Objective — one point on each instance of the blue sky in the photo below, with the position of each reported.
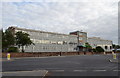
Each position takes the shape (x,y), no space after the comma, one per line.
(98,19)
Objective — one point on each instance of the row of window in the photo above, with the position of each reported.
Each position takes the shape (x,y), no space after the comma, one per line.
(106,47)
(52,42)
(99,42)
(45,34)
(54,48)
(49,35)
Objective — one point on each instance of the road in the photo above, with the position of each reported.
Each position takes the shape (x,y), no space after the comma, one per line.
(82,65)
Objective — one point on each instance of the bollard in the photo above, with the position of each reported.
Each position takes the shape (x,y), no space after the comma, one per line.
(112,52)
(8,56)
(114,56)
(104,52)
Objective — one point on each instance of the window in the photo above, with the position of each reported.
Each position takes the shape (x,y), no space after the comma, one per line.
(60,42)
(43,48)
(64,42)
(80,38)
(110,47)
(80,34)
(106,47)
(53,42)
(47,35)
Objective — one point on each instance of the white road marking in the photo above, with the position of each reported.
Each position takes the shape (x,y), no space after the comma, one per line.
(57,56)
(110,60)
(116,70)
(99,70)
(58,70)
(79,70)
(24,71)
(45,74)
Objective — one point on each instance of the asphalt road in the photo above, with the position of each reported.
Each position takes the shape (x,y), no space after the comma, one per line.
(82,65)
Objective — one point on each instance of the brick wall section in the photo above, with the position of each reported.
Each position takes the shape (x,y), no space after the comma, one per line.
(42,54)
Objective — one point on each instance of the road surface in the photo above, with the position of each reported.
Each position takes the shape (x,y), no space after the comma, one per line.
(80,65)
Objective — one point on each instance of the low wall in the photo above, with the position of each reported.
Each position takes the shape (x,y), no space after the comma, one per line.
(42,54)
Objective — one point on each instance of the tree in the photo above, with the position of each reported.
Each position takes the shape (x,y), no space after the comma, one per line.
(8,39)
(88,46)
(99,49)
(22,39)
(115,47)
(94,49)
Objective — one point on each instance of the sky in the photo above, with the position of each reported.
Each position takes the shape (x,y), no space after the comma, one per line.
(98,18)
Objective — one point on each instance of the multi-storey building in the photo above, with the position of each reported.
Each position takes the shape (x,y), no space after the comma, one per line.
(57,42)
(97,41)
(82,39)
(51,42)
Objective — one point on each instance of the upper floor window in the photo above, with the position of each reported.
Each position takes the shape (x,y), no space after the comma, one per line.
(80,38)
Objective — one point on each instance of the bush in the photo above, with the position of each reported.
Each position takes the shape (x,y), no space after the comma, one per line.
(94,50)
(12,49)
(99,49)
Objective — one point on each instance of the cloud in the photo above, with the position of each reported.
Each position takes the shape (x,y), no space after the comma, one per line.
(60,0)
(96,18)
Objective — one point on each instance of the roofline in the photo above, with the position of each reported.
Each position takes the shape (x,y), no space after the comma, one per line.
(41,31)
(98,38)
(78,31)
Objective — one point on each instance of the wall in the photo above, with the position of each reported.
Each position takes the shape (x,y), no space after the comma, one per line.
(50,42)
(97,41)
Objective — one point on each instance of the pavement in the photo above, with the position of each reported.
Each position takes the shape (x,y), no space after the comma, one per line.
(25,73)
(114,60)
(80,65)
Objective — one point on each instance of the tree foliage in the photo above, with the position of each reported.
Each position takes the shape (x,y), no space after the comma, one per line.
(99,49)
(23,39)
(116,46)
(88,46)
(94,49)
(12,49)
(8,39)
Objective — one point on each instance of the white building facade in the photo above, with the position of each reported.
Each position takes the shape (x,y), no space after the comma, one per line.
(97,41)
(49,41)
(57,42)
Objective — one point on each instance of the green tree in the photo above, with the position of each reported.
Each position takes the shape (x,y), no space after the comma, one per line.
(99,49)
(115,47)
(23,39)
(94,49)
(88,46)
(8,39)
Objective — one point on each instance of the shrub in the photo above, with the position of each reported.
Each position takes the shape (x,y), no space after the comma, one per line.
(99,49)
(12,49)
(94,50)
